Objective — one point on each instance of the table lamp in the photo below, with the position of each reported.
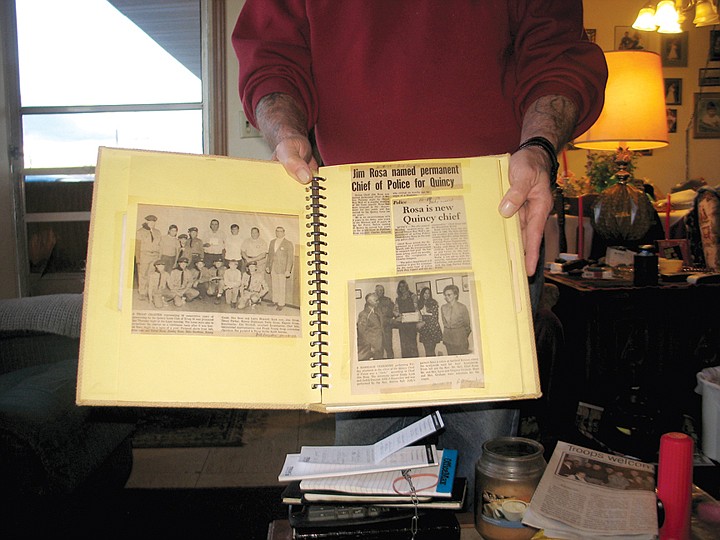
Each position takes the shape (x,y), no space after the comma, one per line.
(633,117)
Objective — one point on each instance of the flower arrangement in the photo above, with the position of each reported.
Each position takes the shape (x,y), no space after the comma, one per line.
(599,175)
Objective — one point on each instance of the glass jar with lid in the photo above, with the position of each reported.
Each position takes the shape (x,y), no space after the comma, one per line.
(506,476)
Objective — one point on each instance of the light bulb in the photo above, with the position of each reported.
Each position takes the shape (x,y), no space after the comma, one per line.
(645,19)
(705,14)
(666,15)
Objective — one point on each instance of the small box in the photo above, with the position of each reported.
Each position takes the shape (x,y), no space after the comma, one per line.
(567,257)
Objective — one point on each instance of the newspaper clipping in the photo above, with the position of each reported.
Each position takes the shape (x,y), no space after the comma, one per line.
(204,271)
(373,187)
(416,332)
(430,233)
(585,493)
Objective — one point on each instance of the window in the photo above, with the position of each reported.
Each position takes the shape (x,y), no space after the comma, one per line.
(93,73)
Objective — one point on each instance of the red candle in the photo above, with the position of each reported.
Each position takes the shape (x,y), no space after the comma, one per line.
(580,231)
(674,484)
(565,167)
(667,218)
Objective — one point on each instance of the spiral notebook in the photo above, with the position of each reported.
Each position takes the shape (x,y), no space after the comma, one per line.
(315,302)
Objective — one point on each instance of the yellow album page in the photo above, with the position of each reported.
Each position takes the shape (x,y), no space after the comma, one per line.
(150,351)
(444,230)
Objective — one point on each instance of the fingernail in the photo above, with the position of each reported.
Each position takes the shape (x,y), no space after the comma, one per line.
(305,177)
(507,209)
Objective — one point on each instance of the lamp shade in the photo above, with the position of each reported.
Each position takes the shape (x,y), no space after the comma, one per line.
(705,14)
(646,19)
(665,13)
(634,112)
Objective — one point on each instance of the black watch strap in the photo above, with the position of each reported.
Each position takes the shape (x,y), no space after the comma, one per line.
(546,145)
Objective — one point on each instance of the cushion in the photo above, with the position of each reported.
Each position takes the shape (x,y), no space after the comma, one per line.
(55,313)
(40,396)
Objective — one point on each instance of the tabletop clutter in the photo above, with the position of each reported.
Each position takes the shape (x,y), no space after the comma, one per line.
(402,488)
(646,251)
(640,268)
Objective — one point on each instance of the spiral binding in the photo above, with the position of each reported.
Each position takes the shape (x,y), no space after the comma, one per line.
(318,279)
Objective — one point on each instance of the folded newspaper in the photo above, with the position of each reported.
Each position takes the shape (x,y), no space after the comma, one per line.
(589,494)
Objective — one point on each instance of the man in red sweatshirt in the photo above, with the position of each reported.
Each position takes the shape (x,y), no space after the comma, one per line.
(411,79)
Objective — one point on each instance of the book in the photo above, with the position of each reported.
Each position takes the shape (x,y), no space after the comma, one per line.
(585,493)
(390,453)
(295,495)
(419,225)
(435,487)
(373,523)
(433,481)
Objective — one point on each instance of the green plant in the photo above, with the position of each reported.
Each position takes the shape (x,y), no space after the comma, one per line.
(601,168)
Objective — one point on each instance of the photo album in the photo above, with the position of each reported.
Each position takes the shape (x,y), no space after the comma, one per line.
(222,282)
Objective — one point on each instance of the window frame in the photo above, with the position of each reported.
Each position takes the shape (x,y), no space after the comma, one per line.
(213,104)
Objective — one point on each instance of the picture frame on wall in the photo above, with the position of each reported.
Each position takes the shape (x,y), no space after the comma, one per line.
(674,49)
(420,285)
(440,284)
(706,122)
(714,52)
(673,91)
(671,120)
(629,39)
(709,77)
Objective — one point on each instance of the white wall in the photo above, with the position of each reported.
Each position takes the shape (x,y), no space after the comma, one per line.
(238,147)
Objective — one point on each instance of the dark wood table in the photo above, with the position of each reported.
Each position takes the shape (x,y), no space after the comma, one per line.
(654,339)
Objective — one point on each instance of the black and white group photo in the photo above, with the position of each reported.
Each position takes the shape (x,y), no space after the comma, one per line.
(414,316)
(215,261)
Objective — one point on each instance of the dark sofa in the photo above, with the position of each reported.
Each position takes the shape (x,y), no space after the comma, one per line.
(48,444)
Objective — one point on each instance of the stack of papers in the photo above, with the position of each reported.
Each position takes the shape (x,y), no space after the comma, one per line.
(378,473)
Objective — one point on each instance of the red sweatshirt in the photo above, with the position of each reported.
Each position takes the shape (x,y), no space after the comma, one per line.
(385,80)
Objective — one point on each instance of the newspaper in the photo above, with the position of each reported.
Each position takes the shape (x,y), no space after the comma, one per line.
(589,494)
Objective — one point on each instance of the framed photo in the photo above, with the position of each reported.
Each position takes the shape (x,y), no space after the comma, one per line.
(420,285)
(627,38)
(673,91)
(714,52)
(674,49)
(671,120)
(674,249)
(440,284)
(709,77)
(707,116)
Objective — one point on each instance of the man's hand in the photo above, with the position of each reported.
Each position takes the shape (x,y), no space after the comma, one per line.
(283,123)
(529,196)
(295,154)
(554,118)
